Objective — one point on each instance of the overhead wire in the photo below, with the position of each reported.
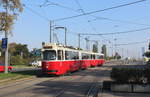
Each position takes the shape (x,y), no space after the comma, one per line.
(82,10)
(132,43)
(97,17)
(35,12)
(92,12)
(116,20)
(123,32)
(47,19)
(56,4)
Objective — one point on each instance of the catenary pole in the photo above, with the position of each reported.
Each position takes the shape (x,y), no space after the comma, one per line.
(79,35)
(65,36)
(50,31)
(6,37)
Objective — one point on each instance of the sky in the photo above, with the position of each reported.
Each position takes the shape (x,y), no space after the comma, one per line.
(32,25)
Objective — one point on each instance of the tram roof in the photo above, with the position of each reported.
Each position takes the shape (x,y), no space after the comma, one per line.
(54,46)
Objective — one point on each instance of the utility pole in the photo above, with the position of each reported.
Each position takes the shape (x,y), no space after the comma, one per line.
(6,37)
(87,43)
(79,35)
(50,30)
(65,33)
(115,48)
(65,36)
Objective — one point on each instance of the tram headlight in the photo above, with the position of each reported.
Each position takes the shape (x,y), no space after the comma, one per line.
(46,66)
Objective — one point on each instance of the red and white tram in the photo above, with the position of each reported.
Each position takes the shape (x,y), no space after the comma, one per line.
(59,60)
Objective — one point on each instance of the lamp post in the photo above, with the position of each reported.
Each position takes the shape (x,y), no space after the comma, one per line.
(65,33)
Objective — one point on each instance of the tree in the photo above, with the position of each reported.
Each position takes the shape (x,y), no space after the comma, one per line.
(149,46)
(9,10)
(19,54)
(7,19)
(35,54)
(95,48)
(104,51)
(117,56)
(147,54)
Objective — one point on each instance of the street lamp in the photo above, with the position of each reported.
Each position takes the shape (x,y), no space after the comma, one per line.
(65,33)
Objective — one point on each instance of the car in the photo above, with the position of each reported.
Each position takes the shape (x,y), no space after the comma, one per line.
(36,63)
(2,67)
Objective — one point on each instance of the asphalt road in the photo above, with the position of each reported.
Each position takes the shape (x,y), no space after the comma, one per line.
(83,83)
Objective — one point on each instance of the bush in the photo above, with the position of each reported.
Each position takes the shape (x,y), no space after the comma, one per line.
(126,75)
(18,60)
(120,74)
(147,74)
(137,75)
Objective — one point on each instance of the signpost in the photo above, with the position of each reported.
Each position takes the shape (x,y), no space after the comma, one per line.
(4,43)
(5,47)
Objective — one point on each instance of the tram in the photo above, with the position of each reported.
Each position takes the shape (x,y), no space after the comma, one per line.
(59,59)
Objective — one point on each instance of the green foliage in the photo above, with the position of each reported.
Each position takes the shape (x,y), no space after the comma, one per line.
(95,48)
(126,75)
(9,13)
(149,46)
(4,25)
(35,54)
(19,54)
(13,5)
(21,50)
(147,54)
(104,51)
(117,56)
(147,74)
(137,75)
(18,60)
(120,74)
(18,75)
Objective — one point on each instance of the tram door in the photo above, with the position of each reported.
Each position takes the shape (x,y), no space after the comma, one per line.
(60,55)
(60,58)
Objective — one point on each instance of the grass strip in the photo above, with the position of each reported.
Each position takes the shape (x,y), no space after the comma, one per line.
(18,75)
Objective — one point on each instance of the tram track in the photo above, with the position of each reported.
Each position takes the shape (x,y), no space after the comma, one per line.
(38,80)
(63,90)
(94,88)
(75,80)
(91,92)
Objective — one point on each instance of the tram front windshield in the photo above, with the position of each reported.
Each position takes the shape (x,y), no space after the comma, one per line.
(49,55)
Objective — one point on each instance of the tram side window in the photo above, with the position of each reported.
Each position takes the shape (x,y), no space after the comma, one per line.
(101,57)
(88,56)
(93,56)
(75,55)
(60,55)
(98,57)
(49,55)
(66,55)
(70,55)
(85,56)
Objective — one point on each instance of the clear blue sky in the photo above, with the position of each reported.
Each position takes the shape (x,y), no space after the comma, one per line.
(31,29)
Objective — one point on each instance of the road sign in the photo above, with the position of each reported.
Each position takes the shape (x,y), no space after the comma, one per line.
(4,43)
